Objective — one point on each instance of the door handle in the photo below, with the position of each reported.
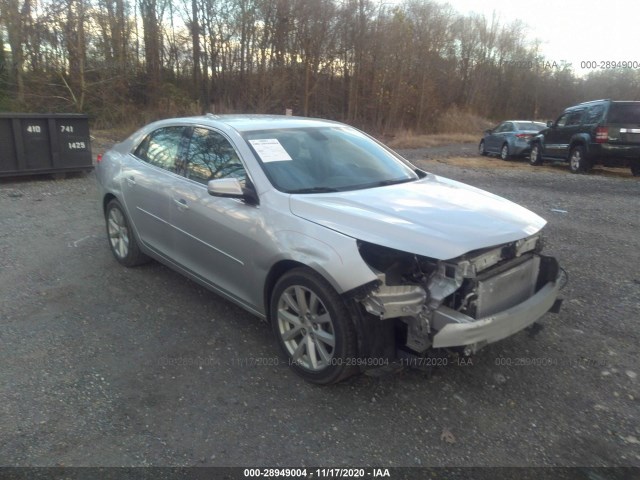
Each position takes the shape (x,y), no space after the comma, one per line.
(131,181)
(181,203)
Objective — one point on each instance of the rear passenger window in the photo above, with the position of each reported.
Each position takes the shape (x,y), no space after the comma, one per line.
(594,115)
(211,156)
(160,147)
(503,127)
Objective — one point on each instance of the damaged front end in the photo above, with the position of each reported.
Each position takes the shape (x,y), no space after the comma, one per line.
(478,298)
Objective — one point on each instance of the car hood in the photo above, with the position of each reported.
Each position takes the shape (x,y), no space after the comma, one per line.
(435,217)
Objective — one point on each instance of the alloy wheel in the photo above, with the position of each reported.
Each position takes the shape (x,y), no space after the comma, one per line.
(118,233)
(504,152)
(306,328)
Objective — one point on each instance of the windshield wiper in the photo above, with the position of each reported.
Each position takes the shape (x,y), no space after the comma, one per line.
(384,183)
(314,190)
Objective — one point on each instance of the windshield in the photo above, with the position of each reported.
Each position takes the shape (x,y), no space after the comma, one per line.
(325,159)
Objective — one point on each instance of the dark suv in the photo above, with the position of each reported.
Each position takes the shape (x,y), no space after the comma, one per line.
(601,131)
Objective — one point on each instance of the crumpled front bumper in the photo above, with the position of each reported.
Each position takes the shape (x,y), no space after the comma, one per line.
(456,329)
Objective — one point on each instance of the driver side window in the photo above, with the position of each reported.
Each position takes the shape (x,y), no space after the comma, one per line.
(562,121)
(575,118)
(570,118)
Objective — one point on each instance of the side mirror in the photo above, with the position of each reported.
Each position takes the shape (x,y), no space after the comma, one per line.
(549,123)
(231,188)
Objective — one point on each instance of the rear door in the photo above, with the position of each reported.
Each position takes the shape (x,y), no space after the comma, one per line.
(148,176)
(497,138)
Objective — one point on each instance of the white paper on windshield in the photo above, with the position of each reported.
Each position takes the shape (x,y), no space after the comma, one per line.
(270,150)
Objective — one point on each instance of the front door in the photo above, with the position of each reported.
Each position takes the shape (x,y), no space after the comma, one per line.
(215,237)
(558,137)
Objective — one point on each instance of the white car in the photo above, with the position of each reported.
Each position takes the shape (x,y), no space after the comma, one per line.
(355,256)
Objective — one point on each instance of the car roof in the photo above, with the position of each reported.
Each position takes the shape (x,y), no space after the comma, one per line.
(523,121)
(596,102)
(251,122)
(592,101)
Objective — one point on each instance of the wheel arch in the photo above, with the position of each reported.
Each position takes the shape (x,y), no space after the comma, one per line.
(578,141)
(275,273)
(333,256)
(105,201)
(282,267)
(539,141)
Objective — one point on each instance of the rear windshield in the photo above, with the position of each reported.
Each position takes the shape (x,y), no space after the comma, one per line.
(533,126)
(624,113)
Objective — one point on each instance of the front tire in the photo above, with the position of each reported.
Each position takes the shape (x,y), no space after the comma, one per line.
(504,152)
(313,328)
(635,169)
(536,155)
(122,240)
(578,162)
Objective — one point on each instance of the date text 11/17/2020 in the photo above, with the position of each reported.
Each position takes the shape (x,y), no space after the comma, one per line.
(317,473)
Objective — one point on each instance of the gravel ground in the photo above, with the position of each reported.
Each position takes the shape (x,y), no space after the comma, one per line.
(107,366)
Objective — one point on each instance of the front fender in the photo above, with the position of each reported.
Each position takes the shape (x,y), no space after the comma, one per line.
(336,257)
(539,139)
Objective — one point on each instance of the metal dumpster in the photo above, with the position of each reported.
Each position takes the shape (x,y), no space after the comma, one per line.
(44,143)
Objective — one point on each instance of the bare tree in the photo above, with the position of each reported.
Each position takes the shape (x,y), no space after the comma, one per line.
(74,31)
(16,16)
(152,42)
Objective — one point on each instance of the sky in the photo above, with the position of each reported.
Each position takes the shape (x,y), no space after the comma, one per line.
(594,31)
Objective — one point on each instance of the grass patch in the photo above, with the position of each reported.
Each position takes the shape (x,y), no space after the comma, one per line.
(407,139)
(452,126)
(455,120)
(496,163)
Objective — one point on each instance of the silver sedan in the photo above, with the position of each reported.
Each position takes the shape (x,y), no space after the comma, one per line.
(357,258)
(510,138)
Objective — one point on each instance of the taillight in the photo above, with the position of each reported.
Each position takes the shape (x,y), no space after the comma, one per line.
(524,136)
(602,134)
(99,158)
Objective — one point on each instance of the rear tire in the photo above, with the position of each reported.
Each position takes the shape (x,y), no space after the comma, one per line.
(578,162)
(481,149)
(122,240)
(536,155)
(313,327)
(504,152)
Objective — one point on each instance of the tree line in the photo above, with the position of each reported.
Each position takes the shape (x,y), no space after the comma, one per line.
(380,66)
